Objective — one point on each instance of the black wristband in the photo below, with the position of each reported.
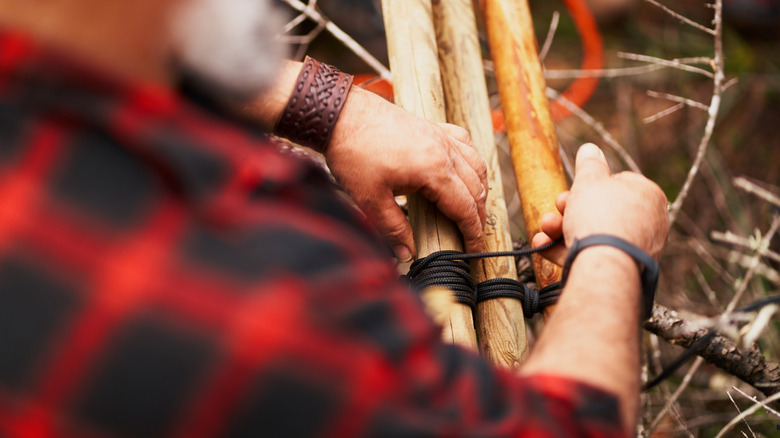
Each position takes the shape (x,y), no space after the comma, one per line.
(648,273)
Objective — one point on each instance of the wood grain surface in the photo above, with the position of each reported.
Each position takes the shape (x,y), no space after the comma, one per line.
(532,139)
(411,44)
(499,322)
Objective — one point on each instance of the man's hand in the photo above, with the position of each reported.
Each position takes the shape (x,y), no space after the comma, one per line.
(379,150)
(593,335)
(626,205)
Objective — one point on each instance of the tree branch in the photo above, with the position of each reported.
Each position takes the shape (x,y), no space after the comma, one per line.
(683,18)
(665,62)
(311,12)
(750,366)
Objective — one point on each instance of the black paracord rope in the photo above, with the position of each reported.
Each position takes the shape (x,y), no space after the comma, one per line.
(450,269)
(439,269)
(533,300)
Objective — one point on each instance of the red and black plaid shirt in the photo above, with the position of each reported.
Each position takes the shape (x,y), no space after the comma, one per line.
(164,273)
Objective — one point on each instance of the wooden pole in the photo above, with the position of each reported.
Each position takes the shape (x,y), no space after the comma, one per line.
(500,323)
(411,45)
(532,139)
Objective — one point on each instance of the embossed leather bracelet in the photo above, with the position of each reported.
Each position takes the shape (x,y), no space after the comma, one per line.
(315,104)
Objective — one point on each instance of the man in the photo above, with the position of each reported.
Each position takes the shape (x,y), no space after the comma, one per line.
(164,271)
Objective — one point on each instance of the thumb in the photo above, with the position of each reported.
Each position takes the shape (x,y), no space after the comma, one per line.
(590,164)
(391,222)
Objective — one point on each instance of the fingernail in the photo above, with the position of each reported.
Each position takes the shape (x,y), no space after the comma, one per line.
(588,150)
(403,253)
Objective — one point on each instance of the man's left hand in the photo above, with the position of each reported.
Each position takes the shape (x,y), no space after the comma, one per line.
(379,150)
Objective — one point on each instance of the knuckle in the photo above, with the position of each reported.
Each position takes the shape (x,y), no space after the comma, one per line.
(458,133)
(441,175)
(481,197)
(470,220)
(480,167)
(436,158)
(430,193)
(395,228)
(461,134)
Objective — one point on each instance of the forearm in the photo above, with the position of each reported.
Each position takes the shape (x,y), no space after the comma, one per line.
(593,336)
(267,108)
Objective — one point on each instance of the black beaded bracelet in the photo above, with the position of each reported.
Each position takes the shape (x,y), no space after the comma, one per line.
(648,272)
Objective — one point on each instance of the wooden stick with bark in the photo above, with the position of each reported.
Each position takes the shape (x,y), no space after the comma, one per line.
(749,365)
(532,140)
(411,45)
(500,323)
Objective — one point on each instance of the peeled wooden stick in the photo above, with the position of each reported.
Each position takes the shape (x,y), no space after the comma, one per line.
(411,46)
(532,140)
(500,323)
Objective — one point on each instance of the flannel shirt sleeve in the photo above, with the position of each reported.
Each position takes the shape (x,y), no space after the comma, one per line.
(163,275)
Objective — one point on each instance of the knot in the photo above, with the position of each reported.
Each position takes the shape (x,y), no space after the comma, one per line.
(533,300)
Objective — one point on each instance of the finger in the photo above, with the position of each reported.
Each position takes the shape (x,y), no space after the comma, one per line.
(552,225)
(457,133)
(391,222)
(466,148)
(452,198)
(560,201)
(591,165)
(476,162)
(473,183)
(556,254)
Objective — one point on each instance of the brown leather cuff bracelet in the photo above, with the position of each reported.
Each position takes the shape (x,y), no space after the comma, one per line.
(314,107)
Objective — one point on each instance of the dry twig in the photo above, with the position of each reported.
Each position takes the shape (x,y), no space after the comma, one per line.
(597,126)
(673,398)
(755,400)
(683,18)
(310,11)
(665,62)
(623,71)
(712,113)
(664,113)
(690,102)
(745,184)
(741,284)
(744,414)
(743,418)
(550,34)
(761,247)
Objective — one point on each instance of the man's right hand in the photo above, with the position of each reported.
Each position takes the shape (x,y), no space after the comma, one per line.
(626,205)
(593,334)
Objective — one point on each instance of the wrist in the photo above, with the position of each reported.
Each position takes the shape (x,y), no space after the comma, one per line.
(601,258)
(352,118)
(646,266)
(315,104)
